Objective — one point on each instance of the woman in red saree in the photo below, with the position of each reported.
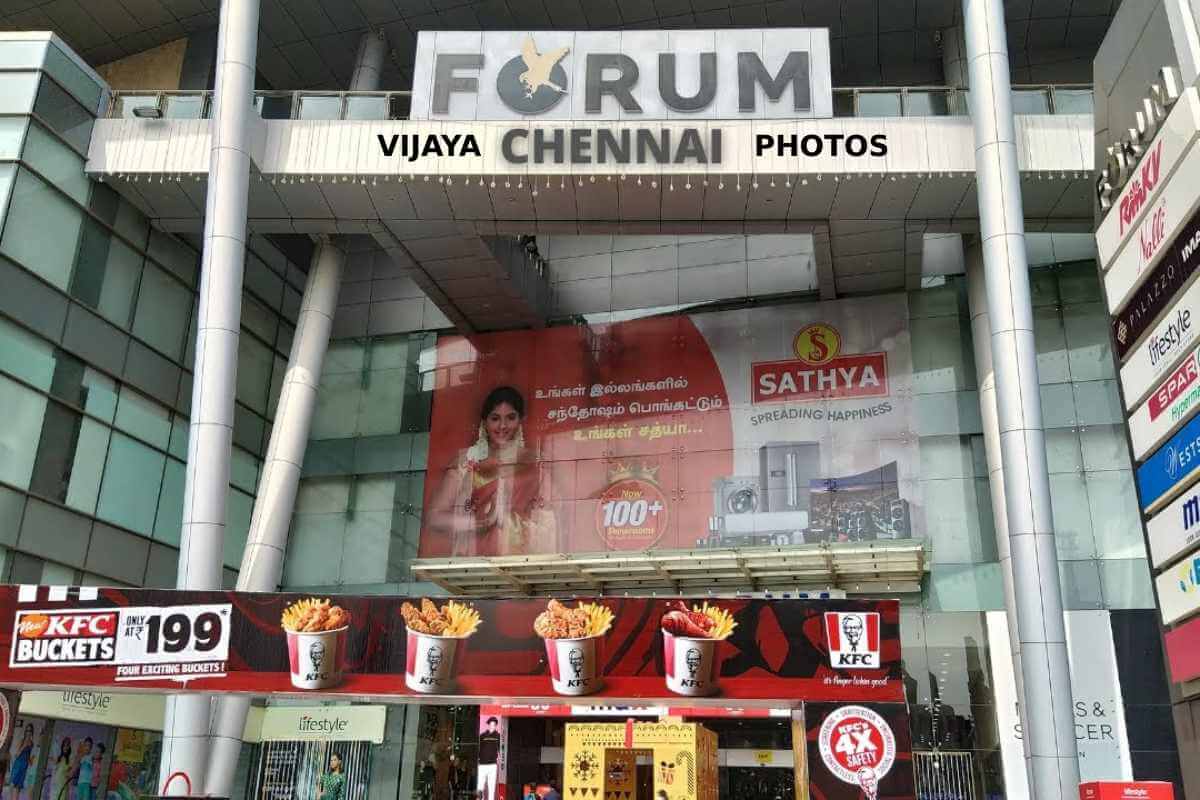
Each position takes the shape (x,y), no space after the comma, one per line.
(491,500)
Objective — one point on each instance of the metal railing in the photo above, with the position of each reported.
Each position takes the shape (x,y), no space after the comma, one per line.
(866,101)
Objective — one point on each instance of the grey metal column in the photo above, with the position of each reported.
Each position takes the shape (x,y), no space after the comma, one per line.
(210,434)
(368,64)
(1049,725)
(262,560)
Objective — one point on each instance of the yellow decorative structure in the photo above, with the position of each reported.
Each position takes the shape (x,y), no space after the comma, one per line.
(600,760)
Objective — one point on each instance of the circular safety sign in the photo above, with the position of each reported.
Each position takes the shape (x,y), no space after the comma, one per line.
(858,746)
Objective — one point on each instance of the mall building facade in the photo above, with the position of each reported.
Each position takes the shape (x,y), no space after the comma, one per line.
(818,282)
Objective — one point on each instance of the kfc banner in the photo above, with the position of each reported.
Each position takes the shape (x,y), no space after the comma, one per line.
(648,651)
(767,426)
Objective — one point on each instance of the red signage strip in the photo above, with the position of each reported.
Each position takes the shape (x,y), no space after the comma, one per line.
(1183,651)
(763,653)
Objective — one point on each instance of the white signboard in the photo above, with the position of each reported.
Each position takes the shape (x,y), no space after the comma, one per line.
(321,723)
(1175,529)
(1151,238)
(1163,349)
(1179,589)
(1168,406)
(1151,172)
(775,73)
(1098,707)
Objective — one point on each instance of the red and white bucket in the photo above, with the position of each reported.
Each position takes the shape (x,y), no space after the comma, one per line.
(691,664)
(431,662)
(317,659)
(574,665)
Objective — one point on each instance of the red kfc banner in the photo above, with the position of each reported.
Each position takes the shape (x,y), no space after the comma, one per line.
(768,426)
(760,653)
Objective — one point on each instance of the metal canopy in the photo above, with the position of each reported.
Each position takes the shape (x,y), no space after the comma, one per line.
(892,566)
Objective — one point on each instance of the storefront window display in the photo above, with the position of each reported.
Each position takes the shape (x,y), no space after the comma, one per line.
(78,763)
(135,764)
(313,770)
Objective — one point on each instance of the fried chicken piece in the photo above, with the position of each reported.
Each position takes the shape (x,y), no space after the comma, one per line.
(338,618)
(412,618)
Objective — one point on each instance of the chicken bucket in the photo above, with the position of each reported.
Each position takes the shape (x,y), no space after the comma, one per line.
(691,664)
(574,665)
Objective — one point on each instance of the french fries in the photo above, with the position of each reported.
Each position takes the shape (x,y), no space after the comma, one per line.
(313,616)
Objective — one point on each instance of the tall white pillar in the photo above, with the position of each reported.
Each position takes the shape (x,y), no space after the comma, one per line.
(210,434)
(1049,732)
(266,545)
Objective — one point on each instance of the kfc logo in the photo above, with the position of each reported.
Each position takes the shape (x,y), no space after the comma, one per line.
(68,637)
(853,639)
(858,747)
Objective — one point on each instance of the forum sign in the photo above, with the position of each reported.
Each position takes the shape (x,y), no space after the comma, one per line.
(780,73)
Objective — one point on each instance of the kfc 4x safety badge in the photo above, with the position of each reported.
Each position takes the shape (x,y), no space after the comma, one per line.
(857,746)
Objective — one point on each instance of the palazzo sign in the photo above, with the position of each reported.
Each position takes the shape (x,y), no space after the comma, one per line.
(780,73)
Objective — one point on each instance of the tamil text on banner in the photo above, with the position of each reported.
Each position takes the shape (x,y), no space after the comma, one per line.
(783,425)
(653,651)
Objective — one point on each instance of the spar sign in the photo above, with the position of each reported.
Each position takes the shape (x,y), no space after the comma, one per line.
(858,747)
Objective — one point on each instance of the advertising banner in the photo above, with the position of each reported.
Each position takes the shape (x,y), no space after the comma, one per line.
(1173,466)
(1165,152)
(1176,529)
(771,426)
(1163,221)
(1168,406)
(1163,349)
(1165,281)
(1179,589)
(757,651)
(857,751)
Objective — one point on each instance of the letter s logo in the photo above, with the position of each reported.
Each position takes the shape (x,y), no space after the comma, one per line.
(817,343)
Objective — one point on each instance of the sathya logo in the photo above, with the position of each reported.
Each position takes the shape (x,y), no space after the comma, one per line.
(533,82)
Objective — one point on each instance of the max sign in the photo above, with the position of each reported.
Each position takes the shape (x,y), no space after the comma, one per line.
(728,74)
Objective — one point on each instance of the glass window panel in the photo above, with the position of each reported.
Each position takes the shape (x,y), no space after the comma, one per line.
(15,55)
(843,103)
(17,92)
(243,470)
(183,106)
(273,106)
(133,476)
(1115,518)
(178,446)
(106,273)
(249,429)
(965,587)
(1097,403)
(1073,101)
(1087,330)
(163,311)
(315,106)
(124,104)
(87,468)
(71,75)
(1080,582)
(399,106)
(291,303)
(367,107)
(41,230)
(238,509)
(56,446)
(144,418)
(64,115)
(254,373)
(878,104)
(26,356)
(338,400)
(309,561)
(259,319)
(943,359)
(57,574)
(263,281)
(1062,449)
(99,394)
(1103,447)
(24,410)
(57,163)
(113,209)
(952,520)
(926,104)
(1030,101)
(277,375)
(1051,341)
(12,134)
(365,547)
(168,519)
(174,255)
(287,331)
(1126,583)
(1072,517)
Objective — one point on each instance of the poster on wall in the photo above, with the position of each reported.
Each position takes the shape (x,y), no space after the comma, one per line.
(134,773)
(645,650)
(767,426)
(857,752)
(493,755)
(24,757)
(314,770)
(77,763)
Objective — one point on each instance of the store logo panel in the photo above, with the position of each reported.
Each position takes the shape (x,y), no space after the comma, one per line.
(853,639)
(819,371)
(1179,590)
(1175,529)
(1170,468)
(1172,401)
(54,637)
(1163,349)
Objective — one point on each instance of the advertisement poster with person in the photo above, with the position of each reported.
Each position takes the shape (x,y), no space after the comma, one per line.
(77,762)
(493,756)
(782,425)
(134,770)
(25,750)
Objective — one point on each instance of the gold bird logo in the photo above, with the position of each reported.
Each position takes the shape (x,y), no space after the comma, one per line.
(538,67)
